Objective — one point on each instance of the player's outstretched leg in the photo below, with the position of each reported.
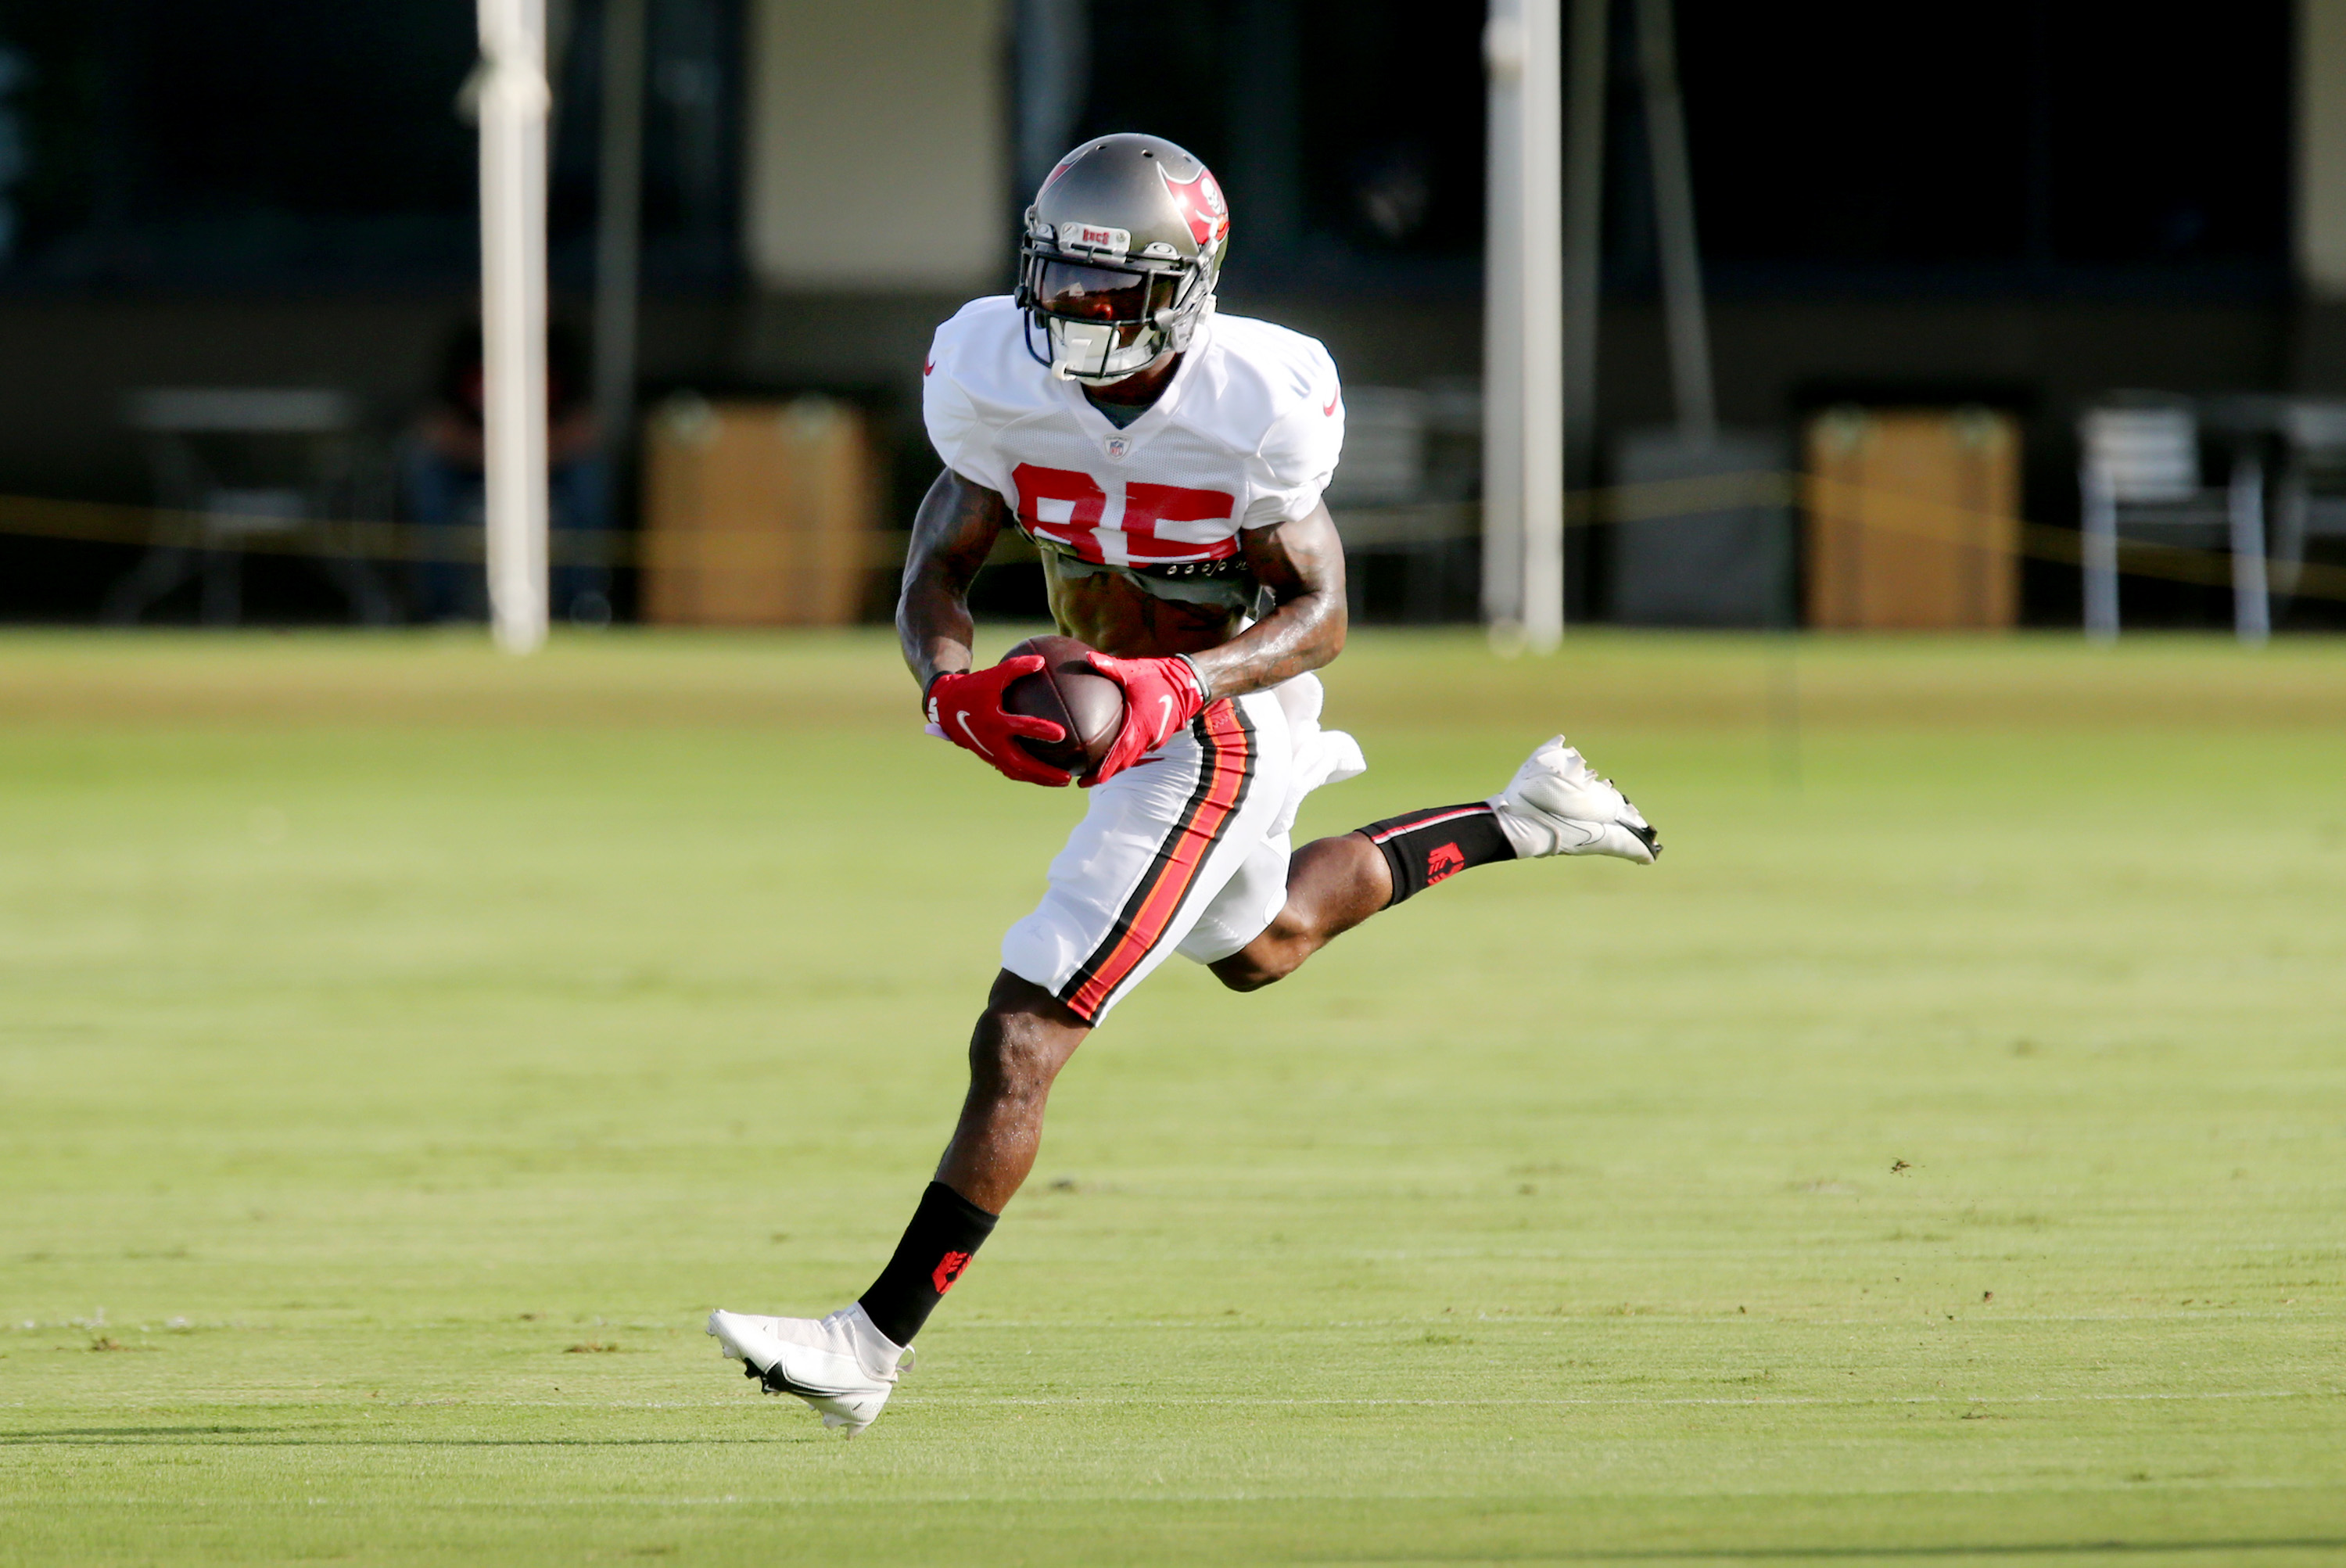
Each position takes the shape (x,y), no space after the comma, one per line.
(847,1364)
(1555,805)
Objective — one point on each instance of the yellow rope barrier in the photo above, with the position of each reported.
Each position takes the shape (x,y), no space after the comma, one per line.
(1950,524)
(152,527)
(160,527)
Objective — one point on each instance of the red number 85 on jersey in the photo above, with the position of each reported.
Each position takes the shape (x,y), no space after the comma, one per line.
(1071,509)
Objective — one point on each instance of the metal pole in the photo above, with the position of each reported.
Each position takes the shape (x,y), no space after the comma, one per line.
(1689,332)
(618,247)
(1523,329)
(1503,289)
(1053,39)
(1543,324)
(2252,581)
(1265,125)
(2099,552)
(1584,235)
(514,102)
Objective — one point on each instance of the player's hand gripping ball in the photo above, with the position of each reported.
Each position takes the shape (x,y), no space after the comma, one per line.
(1160,695)
(967,709)
(1087,705)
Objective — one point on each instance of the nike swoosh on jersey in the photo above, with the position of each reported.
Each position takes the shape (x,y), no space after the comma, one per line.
(962,718)
(928,366)
(1330,410)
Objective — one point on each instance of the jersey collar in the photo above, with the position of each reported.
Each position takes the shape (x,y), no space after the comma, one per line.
(1119,443)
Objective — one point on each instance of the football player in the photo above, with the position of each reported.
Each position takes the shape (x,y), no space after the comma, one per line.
(1168,463)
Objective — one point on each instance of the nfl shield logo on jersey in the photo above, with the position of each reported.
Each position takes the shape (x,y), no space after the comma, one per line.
(1116,447)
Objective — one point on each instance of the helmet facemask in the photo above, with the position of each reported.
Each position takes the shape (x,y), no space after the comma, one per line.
(1100,315)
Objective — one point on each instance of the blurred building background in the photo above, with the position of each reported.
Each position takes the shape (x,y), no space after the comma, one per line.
(2015,207)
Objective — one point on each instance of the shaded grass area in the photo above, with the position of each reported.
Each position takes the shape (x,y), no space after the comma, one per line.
(1938,1155)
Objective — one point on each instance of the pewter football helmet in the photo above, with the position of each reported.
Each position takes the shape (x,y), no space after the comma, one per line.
(1122,249)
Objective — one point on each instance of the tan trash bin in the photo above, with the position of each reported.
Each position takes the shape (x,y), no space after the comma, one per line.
(757,513)
(1913,519)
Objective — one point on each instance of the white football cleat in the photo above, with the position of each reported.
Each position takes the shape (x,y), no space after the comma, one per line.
(1555,805)
(841,1365)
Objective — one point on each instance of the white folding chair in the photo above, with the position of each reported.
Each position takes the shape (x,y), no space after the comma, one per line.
(2139,473)
(256,467)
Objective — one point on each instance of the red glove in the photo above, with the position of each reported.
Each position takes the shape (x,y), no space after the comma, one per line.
(967,706)
(1160,695)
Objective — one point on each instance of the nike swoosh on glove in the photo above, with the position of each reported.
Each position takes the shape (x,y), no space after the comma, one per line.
(966,707)
(1160,695)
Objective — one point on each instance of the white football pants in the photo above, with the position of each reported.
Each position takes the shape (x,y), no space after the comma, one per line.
(1184,851)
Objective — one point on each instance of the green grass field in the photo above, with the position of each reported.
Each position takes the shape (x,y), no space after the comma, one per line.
(1940,1155)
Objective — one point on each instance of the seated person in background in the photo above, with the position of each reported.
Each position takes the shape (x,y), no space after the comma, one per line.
(441,485)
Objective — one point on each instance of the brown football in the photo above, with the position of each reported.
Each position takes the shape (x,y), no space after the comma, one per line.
(1072,695)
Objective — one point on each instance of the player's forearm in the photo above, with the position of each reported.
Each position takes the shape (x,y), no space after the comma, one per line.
(1302,635)
(1302,562)
(951,534)
(934,627)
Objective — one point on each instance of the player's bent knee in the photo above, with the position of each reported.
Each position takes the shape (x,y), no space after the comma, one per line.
(1244,971)
(1010,1056)
(1022,1040)
(1270,957)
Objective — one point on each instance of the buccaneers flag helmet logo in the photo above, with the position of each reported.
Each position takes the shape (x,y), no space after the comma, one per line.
(1201,204)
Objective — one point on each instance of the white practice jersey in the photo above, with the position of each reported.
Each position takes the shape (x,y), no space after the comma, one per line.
(1246,435)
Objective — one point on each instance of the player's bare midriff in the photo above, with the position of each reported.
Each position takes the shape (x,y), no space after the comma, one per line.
(1301,562)
(1113,613)
(1116,617)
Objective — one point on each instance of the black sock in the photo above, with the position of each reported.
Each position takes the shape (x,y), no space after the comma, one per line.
(946,1231)
(1423,847)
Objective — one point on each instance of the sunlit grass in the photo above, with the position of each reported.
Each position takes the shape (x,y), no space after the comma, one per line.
(1940,1151)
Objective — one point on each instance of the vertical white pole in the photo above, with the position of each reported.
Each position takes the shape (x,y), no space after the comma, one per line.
(1502,341)
(2099,553)
(2252,581)
(1543,324)
(515,101)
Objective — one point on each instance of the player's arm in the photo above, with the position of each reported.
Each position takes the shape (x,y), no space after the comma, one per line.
(953,533)
(1302,565)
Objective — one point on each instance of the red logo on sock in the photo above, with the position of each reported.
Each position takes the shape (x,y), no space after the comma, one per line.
(1444,862)
(948,1269)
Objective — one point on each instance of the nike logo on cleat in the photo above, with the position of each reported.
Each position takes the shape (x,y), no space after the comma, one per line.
(778,1381)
